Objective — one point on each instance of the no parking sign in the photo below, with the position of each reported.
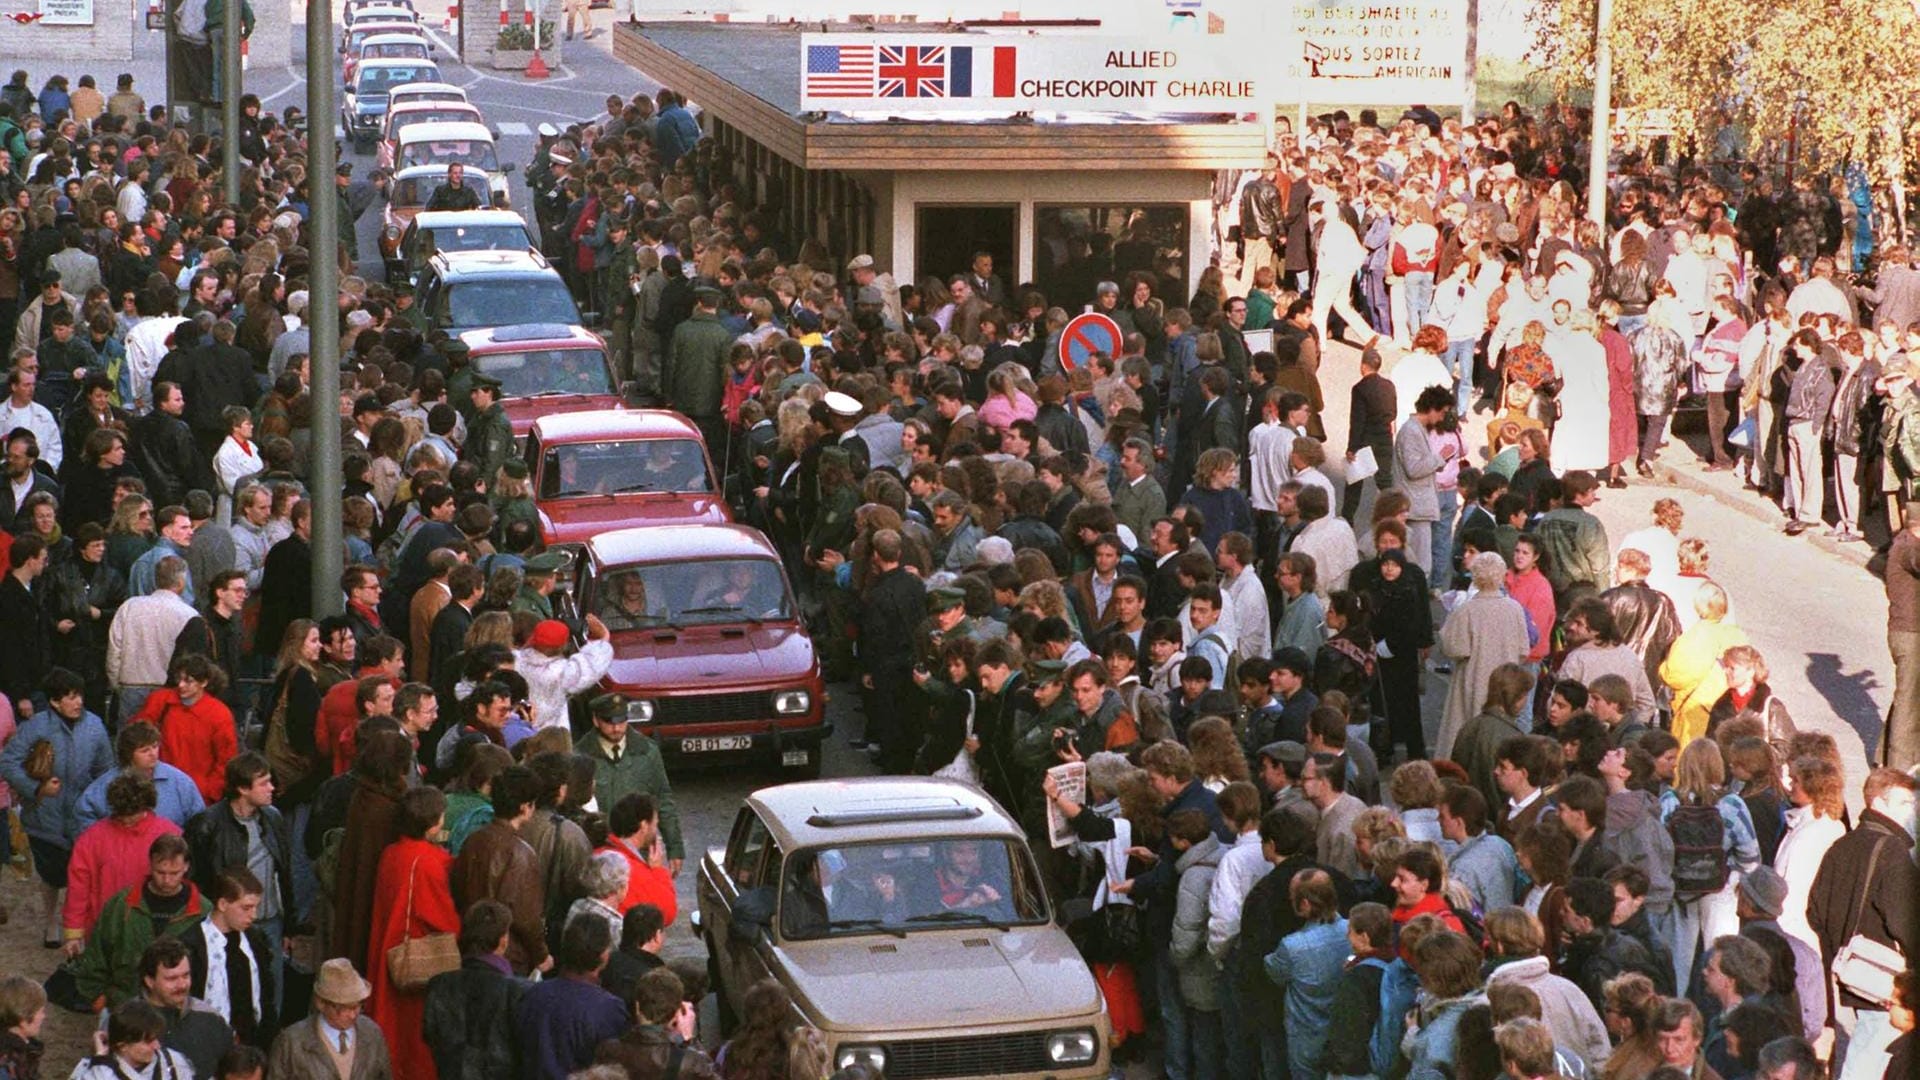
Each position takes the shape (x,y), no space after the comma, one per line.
(1085,335)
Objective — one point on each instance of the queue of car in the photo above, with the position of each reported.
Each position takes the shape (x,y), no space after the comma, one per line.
(843,891)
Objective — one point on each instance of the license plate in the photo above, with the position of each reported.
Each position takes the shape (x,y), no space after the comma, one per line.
(793,757)
(716,743)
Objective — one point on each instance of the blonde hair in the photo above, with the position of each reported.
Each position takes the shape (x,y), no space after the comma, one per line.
(1700,772)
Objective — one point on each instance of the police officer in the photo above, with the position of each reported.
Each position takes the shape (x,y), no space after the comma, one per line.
(489,434)
(536,586)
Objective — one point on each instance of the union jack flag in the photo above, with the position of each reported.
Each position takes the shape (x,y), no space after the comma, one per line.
(913,71)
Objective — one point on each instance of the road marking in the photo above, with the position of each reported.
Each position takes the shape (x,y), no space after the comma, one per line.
(515,127)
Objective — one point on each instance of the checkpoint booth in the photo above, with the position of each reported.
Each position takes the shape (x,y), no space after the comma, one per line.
(1065,154)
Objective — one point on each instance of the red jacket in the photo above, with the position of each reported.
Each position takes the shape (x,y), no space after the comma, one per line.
(333,728)
(1432,904)
(197,739)
(646,884)
(108,857)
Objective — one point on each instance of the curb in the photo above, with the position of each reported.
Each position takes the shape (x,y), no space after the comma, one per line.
(1759,509)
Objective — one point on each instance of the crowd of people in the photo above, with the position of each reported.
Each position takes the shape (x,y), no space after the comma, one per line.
(373,844)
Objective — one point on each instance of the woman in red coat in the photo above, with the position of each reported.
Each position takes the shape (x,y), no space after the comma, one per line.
(413,870)
(1622,428)
(196,727)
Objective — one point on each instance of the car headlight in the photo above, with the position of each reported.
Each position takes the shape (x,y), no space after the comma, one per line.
(1073,1047)
(639,712)
(872,1057)
(792,702)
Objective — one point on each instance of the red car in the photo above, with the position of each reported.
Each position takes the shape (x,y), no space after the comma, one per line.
(609,469)
(708,643)
(544,369)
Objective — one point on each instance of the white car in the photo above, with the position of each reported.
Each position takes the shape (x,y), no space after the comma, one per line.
(413,111)
(424,91)
(447,142)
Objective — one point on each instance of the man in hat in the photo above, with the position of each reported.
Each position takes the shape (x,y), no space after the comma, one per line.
(844,413)
(489,432)
(625,763)
(456,193)
(404,307)
(337,1040)
(697,368)
(552,676)
(1761,897)
(539,577)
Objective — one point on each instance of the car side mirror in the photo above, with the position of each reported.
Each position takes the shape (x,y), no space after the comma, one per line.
(630,391)
(752,915)
(511,166)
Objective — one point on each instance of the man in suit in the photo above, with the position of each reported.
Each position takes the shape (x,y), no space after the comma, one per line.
(1297,252)
(1207,420)
(24,478)
(447,638)
(986,284)
(1415,467)
(337,1040)
(1166,539)
(1092,589)
(424,610)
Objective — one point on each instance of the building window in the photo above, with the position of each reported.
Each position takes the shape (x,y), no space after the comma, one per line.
(1077,247)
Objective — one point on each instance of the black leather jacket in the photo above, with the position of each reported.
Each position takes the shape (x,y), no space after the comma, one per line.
(164,451)
(1259,209)
(216,839)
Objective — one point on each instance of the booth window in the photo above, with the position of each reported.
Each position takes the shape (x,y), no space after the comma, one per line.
(1077,247)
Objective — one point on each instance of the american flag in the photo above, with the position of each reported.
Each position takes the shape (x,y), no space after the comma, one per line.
(840,70)
(912,71)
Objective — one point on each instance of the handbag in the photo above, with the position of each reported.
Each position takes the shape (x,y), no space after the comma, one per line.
(962,767)
(415,961)
(1865,967)
(39,764)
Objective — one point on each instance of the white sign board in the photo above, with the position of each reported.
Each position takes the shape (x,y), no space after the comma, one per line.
(1355,53)
(994,73)
(66,12)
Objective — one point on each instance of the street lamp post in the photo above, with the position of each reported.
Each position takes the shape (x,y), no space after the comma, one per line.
(1602,109)
(229,61)
(323,310)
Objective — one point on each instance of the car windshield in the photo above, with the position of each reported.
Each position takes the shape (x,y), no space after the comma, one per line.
(903,887)
(504,237)
(547,371)
(395,50)
(470,152)
(402,121)
(541,299)
(374,82)
(627,466)
(691,593)
(414,191)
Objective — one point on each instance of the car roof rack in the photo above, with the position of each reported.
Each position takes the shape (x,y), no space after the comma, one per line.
(884,815)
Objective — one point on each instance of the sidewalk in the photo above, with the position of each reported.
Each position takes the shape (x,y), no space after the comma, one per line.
(1682,465)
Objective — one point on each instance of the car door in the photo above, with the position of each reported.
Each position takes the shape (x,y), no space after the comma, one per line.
(735,963)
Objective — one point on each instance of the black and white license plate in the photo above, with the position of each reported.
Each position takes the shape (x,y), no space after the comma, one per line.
(716,743)
(793,757)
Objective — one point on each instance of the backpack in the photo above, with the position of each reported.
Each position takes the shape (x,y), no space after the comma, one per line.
(1699,851)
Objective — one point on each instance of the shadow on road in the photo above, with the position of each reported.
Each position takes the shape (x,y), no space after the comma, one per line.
(1848,695)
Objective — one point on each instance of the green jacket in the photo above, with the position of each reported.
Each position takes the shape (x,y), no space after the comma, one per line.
(1900,439)
(833,522)
(110,968)
(490,440)
(697,365)
(217,18)
(13,140)
(530,600)
(640,768)
(508,511)
(618,300)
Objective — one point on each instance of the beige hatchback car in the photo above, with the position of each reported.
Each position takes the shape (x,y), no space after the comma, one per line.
(906,919)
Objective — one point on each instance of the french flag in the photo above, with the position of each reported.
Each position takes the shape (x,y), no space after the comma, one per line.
(1000,80)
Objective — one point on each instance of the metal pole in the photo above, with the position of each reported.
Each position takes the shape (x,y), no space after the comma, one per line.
(1602,110)
(1472,64)
(323,306)
(229,61)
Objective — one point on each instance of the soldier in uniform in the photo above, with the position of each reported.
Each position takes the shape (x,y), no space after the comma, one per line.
(404,307)
(620,298)
(536,586)
(489,433)
(454,354)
